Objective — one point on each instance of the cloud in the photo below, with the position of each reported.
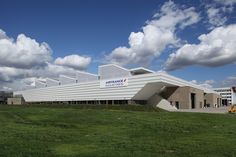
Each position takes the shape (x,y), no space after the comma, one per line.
(229,81)
(4,88)
(3,35)
(155,36)
(216,48)
(215,17)
(216,12)
(23,53)
(30,81)
(193,81)
(226,2)
(19,79)
(74,61)
(8,74)
(205,84)
(24,59)
(53,71)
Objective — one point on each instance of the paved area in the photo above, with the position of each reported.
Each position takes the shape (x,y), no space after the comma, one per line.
(206,110)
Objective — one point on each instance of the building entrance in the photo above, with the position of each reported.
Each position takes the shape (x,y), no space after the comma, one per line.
(193,100)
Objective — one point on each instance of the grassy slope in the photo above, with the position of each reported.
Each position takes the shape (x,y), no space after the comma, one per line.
(47,131)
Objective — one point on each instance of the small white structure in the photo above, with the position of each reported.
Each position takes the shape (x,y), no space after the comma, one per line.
(140,71)
(40,84)
(67,80)
(85,77)
(112,71)
(52,82)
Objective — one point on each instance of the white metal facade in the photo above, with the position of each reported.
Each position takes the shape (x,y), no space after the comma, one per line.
(40,84)
(112,71)
(52,82)
(85,77)
(140,87)
(67,80)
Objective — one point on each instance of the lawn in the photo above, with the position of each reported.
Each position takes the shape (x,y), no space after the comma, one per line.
(113,132)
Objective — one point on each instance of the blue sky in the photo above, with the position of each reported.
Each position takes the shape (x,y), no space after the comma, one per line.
(94,29)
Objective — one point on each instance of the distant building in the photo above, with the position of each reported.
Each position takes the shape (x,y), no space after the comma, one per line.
(118,85)
(4,95)
(228,95)
(16,100)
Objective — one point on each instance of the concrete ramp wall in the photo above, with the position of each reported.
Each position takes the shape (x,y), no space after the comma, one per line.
(165,105)
(158,101)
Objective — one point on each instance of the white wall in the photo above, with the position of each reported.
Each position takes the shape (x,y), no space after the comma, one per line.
(66,80)
(92,90)
(112,71)
(233,98)
(85,77)
(51,82)
(39,84)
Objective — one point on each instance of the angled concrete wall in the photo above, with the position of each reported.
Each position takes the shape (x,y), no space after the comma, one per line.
(182,97)
(213,100)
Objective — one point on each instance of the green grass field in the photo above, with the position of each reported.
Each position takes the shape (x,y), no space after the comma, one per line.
(114,132)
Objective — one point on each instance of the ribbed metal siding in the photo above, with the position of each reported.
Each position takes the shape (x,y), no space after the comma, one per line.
(82,91)
(92,90)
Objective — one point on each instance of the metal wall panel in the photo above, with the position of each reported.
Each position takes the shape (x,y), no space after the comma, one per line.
(66,80)
(51,82)
(112,71)
(92,91)
(39,84)
(85,77)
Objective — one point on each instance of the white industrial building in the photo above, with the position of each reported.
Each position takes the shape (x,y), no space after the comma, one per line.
(228,95)
(117,85)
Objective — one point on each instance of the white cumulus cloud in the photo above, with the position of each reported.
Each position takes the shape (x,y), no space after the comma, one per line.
(226,2)
(8,74)
(193,81)
(155,36)
(216,48)
(3,35)
(23,53)
(74,61)
(19,79)
(24,59)
(216,17)
(229,81)
(217,12)
(205,84)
